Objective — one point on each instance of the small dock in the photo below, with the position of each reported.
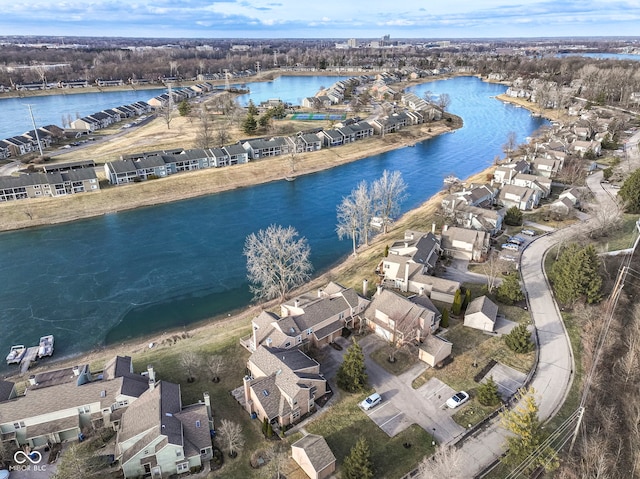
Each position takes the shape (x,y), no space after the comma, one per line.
(28,358)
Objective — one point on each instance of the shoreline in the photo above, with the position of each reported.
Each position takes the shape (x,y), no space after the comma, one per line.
(36,212)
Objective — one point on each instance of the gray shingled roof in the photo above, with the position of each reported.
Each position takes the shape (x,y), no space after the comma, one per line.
(6,387)
(484,305)
(59,376)
(195,424)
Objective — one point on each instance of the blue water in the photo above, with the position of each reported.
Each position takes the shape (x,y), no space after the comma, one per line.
(128,274)
(47,110)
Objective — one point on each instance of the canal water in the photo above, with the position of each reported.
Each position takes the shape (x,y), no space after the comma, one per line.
(124,275)
(51,109)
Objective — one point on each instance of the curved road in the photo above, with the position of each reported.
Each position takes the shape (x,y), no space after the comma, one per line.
(554,373)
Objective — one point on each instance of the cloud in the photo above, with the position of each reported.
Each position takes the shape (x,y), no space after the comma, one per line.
(286,18)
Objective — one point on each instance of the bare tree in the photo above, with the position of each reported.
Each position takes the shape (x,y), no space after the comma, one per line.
(444,100)
(446,462)
(404,332)
(388,192)
(492,268)
(277,261)
(166,113)
(205,132)
(605,220)
(231,435)
(512,142)
(216,365)
(354,216)
(276,458)
(190,361)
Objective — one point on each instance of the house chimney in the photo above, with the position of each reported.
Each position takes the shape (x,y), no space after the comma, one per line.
(76,371)
(320,293)
(152,373)
(32,380)
(207,403)
(406,277)
(445,228)
(365,287)
(421,290)
(433,228)
(248,404)
(378,290)
(152,384)
(296,303)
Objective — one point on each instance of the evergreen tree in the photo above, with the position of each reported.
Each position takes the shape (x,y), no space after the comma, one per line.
(513,216)
(358,465)
(184,108)
(488,393)
(467,299)
(444,321)
(509,291)
(265,426)
(456,307)
(527,435)
(519,339)
(249,125)
(630,192)
(575,275)
(252,109)
(352,376)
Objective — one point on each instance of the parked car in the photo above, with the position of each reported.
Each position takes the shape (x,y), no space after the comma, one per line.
(371,401)
(516,240)
(4,474)
(528,232)
(511,246)
(457,399)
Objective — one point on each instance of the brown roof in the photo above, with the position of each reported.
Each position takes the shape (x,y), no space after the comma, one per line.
(317,450)
(195,424)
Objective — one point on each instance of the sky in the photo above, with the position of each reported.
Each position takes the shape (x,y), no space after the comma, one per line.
(321,18)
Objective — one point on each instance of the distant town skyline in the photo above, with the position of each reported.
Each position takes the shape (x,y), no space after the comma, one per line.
(322,19)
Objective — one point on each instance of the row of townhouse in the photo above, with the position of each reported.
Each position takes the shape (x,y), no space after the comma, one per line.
(177,95)
(156,435)
(157,164)
(38,185)
(105,118)
(27,142)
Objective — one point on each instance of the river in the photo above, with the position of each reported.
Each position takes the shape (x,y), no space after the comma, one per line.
(107,279)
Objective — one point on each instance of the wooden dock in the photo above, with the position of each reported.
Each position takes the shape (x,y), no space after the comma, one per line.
(29,357)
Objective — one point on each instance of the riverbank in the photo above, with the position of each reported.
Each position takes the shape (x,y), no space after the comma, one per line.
(112,199)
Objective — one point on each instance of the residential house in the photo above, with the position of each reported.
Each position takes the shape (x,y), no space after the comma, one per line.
(547,167)
(148,167)
(478,218)
(434,349)
(315,319)
(58,405)
(313,455)
(71,165)
(282,386)
(362,130)
(401,320)
(121,171)
(37,185)
(562,207)
(582,147)
(5,149)
(219,157)
(308,142)
(464,243)
(573,195)
(538,183)
(331,137)
(520,196)
(481,314)
(416,247)
(86,123)
(507,171)
(237,154)
(482,196)
(261,148)
(19,146)
(158,437)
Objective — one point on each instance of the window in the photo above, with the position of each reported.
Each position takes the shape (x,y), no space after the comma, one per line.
(179,453)
(182,467)
(18,425)
(296,414)
(84,409)
(309,331)
(341,315)
(204,452)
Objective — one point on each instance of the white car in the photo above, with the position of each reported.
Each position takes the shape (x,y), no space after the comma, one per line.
(511,246)
(457,399)
(528,232)
(371,401)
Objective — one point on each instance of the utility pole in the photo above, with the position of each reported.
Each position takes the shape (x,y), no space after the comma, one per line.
(35,129)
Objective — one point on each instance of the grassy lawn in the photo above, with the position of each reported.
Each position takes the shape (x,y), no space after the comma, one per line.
(404,360)
(345,423)
(622,238)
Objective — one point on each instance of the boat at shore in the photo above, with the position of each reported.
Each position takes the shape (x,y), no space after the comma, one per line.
(451,180)
(45,346)
(16,354)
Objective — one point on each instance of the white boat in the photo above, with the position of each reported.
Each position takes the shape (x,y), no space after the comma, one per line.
(45,347)
(16,354)
(450,180)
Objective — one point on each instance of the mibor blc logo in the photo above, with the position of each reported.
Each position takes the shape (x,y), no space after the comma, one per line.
(27,461)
